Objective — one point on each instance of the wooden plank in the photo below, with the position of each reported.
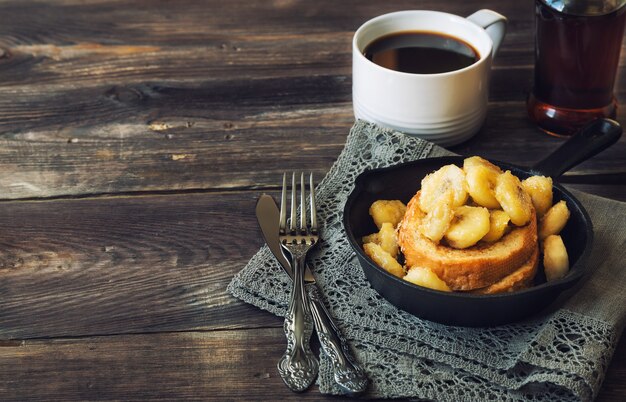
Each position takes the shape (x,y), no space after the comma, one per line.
(224,365)
(614,192)
(194,42)
(42,110)
(193,153)
(94,107)
(52,67)
(131,264)
(171,142)
(508,135)
(187,21)
(218,365)
(123,265)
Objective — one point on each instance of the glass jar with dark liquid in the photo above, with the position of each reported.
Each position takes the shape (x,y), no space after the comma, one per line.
(577,49)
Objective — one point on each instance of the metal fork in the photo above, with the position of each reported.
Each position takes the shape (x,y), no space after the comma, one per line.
(298,367)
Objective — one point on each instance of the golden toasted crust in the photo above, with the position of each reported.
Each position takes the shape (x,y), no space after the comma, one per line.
(519,279)
(467,269)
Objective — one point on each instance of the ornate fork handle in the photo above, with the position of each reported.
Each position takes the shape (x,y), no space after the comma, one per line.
(347,373)
(298,367)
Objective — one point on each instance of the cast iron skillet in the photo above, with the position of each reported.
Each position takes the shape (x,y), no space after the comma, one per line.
(403,180)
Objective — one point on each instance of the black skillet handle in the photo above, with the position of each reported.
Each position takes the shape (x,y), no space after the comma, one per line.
(590,140)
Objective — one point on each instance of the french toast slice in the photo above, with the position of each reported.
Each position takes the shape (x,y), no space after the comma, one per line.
(519,279)
(472,268)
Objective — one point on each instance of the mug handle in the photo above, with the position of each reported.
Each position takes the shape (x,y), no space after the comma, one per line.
(493,23)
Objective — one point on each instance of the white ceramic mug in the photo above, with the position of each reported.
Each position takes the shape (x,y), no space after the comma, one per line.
(446,108)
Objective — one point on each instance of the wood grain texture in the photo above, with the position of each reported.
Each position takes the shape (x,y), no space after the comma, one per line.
(125,264)
(180,366)
(222,365)
(614,192)
(100,98)
(115,265)
(153,126)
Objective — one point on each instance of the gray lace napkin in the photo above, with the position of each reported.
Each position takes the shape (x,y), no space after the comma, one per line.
(559,355)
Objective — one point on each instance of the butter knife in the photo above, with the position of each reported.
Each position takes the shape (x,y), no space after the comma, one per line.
(346,372)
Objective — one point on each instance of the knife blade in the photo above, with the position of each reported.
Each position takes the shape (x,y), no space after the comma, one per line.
(346,372)
(267,215)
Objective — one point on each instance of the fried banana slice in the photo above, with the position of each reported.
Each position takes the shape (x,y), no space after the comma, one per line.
(470,224)
(481,182)
(482,176)
(513,198)
(474,161)
(390,211)
(383,259)
(540,190)
(372,238)
(498,222)
(436,222)
(386,238)
(555,258)
(554,220)
(426,278)
(449,178)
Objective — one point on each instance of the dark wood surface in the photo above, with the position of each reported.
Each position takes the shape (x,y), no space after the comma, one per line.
(135,137)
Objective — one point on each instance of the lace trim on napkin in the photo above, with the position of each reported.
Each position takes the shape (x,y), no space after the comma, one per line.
(559,356)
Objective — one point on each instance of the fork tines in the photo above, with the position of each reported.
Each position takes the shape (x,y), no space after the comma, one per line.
(303,228)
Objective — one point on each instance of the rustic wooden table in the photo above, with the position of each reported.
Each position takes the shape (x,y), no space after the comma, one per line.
(135,137)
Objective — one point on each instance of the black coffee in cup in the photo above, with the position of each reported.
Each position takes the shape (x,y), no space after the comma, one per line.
(421,52)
